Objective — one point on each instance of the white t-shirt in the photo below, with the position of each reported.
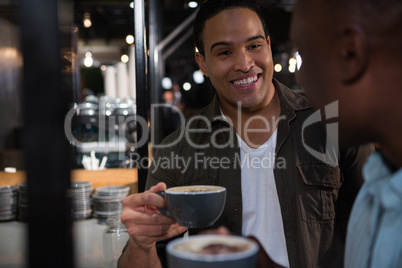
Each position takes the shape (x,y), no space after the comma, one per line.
(262,216)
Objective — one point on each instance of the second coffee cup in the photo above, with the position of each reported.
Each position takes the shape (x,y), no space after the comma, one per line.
(194,206)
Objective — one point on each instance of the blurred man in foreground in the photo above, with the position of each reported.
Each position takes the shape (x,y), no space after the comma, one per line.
(351,53)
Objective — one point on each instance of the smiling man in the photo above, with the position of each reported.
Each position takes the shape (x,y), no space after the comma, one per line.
(238,61)
(253,140)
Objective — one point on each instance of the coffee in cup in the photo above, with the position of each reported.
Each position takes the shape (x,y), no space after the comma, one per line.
(194,206)
(220,251)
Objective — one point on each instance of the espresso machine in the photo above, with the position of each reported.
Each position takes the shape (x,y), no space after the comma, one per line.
(105,127)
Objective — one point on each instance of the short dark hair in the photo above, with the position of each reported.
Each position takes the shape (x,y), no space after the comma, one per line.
(211,8)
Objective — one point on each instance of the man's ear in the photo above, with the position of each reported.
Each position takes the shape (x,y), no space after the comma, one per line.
(199,58)
(353,53)
(269,41)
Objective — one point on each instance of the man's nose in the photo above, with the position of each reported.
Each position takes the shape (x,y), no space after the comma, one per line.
(243,61)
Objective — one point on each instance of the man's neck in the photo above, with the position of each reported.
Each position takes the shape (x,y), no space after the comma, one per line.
(255,126)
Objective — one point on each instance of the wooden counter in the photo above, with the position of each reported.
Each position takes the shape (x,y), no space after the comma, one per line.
(99,178)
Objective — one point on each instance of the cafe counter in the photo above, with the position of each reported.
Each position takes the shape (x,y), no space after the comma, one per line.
(87,233)
(98,178)
(87,240)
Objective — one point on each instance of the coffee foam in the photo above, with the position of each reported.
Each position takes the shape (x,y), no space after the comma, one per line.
(196,246)
(195,188)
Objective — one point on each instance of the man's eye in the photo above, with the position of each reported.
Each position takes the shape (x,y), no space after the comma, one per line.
(224,53)
(253,46)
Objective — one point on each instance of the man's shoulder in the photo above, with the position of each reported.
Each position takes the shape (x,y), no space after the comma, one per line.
(292,98)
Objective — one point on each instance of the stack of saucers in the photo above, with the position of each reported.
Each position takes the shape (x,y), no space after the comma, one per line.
(108,201)
(23,202)
(81,202)
(8,202)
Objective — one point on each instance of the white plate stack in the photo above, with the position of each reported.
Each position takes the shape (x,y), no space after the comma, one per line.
(107,201)
(81,201)
(8,202)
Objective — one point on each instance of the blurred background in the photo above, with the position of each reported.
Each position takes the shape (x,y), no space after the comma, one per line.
(73,86)
(98,61)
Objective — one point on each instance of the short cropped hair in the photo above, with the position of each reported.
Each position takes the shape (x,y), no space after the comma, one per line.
(210,8)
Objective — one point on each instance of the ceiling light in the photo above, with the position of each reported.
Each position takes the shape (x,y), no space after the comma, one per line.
(87,20)
(187,86)
(130,39)
(278,67)
(124,58)
(198,77)
(88,61)
(192,4)
(292,61)
(87,23)
(292,68)
(132,4)
(167,83)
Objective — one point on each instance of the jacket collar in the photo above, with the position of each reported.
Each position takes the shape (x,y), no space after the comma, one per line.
(294,99)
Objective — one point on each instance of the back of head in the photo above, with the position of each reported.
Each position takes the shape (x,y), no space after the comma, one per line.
(373,11)
(381,19)
(210,8)
(353,55)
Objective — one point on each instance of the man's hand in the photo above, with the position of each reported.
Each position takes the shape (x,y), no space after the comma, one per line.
(146,226)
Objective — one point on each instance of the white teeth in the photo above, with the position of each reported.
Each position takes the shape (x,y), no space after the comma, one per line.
(246,81)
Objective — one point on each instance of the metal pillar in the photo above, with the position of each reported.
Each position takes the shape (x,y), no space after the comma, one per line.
(156,68)
(47,152)
(141,88)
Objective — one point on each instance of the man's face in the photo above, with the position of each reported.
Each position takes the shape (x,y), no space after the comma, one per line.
(238,58)
(309,32)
